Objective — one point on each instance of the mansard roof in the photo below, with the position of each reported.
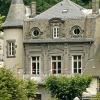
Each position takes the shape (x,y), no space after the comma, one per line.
(92,67)
(65,10)
(15,15)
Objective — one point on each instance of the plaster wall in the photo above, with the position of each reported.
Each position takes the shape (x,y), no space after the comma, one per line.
(13,34)
(92,90)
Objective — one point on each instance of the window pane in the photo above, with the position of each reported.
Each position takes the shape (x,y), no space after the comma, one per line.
(76,31)
(38,68)
(33,58)
(53,57)
(79,64)
(75,57)
(79,70)
(36,32)
(59,67)
(53,67)
(33,68)
(9,53)
(12,52)
(59,57)
(37,58)
(13,48)
(75,70)
(79,57)
(38,97)
(75,65)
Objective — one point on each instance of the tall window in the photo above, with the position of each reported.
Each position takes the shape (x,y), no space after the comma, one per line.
(77,64)
(55,32)
(56,64)
(11,49)
(35,65)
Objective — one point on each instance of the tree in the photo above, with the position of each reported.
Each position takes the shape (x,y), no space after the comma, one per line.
(2,18)
(31,88)
(11,88)
(65,88)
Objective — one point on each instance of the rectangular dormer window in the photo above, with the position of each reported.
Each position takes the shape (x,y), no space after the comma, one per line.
(55,32)
(10,48)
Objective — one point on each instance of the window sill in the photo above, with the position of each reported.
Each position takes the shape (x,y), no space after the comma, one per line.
(11,56)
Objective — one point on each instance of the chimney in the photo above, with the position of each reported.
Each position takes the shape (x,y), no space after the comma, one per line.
(95,6)
(33,8)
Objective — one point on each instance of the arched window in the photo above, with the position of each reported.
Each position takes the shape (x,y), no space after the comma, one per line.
(55,32)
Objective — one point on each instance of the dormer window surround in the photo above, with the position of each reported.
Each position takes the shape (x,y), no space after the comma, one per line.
(55,26)
(55,32)
(35,32)
(56,20)
(76,31)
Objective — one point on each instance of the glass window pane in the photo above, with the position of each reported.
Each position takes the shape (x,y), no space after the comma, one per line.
(37,58)
(53,57)
(33,68)
(33,58)
(13,48)
(79,57)
(36,32)
(79,70)
(53,67)
(75,70)
(75,57)
(75,65)
(9,53)
(12,52)
(59,67)
(79,64)
(59,57)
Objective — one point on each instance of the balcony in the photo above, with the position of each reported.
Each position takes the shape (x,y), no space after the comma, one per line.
(40,78)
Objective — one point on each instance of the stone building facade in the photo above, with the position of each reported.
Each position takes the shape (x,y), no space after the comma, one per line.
(59,41)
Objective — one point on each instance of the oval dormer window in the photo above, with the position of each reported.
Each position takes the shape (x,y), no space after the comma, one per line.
(36,32)
(76,31)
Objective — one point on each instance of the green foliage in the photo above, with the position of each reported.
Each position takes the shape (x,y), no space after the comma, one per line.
(42,5)
(98,96)
(31,88)
(2,18)
(11,88)
(67,88)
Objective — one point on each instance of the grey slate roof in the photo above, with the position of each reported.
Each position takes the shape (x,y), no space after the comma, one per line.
(15,15)
(73,11)
(58,40)
(93,66)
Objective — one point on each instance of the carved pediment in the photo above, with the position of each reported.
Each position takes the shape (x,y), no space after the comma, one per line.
(55,49)
(56,20)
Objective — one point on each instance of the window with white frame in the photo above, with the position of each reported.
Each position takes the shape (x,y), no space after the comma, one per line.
(56,64)
(55,32)
(77,64)
(35,65)
(11,49)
